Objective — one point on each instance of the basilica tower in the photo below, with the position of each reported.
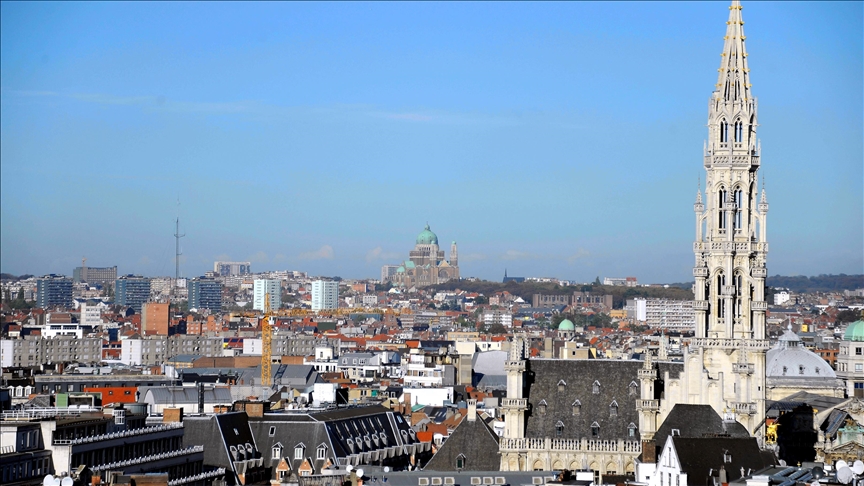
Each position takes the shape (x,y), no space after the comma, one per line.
(725,365)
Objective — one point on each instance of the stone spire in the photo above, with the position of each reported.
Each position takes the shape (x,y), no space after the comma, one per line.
(733,82)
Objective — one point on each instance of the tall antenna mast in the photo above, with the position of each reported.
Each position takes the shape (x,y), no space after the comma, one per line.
(177,237)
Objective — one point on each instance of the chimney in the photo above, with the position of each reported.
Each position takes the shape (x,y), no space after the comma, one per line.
(172,415)
(649,451)
(472,410)
(200,397)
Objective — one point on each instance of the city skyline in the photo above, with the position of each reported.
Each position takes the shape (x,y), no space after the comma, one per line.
(552,140)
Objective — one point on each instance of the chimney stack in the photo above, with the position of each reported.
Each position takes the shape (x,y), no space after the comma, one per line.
(472,410)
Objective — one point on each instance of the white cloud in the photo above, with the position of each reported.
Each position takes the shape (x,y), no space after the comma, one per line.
(378,254)
(323,253)
(518,255)
(580,253)
(471,257)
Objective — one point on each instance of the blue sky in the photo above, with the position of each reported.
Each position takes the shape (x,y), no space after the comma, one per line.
(551,139)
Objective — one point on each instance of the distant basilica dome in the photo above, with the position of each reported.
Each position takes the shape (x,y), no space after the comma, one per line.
(427,237)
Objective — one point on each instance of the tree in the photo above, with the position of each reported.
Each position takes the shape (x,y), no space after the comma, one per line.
(597,281)
(848,315)
(20,294)
(480,300)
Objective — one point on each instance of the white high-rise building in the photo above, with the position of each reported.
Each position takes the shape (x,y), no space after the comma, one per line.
(263,288)
(325,295)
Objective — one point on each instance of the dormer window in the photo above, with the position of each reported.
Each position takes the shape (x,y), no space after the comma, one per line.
(541,407)
(460,462)
(613,409)
(277,450)
(561,385)
(299,451)
(595,389)
(595,430)
(321,452)
(631,430)
(577,407)
(559,429)
(800,369)
(632,388)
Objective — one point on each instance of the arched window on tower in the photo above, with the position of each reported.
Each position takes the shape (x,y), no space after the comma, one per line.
(721,281)
(721,214)
(724,131)
(739,131)
(739,202)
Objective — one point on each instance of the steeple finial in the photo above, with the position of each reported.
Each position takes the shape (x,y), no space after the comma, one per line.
(699,190)
(733,83)
(763,199)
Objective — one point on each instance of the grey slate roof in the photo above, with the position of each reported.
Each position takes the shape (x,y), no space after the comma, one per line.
(700,456)
(472,439)
(696,421)
(618,382)
(362,435)
(167,395)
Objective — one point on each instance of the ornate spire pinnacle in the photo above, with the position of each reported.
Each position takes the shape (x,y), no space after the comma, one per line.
(699,190)
(733,83)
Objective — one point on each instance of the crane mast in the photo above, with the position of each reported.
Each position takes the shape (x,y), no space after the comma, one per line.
(266,343)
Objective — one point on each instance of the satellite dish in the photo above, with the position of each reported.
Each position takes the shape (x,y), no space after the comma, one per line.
(858,467)
(845,475)
(67,481)
(359,473)
(48,481)
(349,468)
(818,473)
(839,464)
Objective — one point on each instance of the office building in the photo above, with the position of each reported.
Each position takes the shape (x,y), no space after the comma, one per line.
(666,314)
(132,291)
(53,291)
(227,269)
(205,293)
(95,275)
(325,295)
(267,287)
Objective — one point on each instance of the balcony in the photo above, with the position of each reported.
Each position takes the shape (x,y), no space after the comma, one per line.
(759,306)
(700,305)
(759,272)
(648,405)
(700,272)
(743,368)
(744,408)
(515,403)
(748,344)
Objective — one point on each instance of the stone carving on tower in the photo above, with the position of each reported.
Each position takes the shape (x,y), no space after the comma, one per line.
(730,248)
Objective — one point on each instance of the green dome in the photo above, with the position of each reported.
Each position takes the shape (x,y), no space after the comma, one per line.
(427,237)
(566,325)
(855,331)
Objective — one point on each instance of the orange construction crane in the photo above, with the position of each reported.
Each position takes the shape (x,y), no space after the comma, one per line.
(266,344)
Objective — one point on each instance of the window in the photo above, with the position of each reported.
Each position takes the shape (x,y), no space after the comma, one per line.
(595,430)
(298,451)
(596,388)
(577,407)
(460,461)
(800,369)
(541,407)
(559,429)
(561,385)
(272,431)
(277,451)
(858,367)
(613,409)
(321,453)
(632,388)
(857,351)
(631,430)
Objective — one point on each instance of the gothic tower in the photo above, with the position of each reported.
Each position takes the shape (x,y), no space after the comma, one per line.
(725,364)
